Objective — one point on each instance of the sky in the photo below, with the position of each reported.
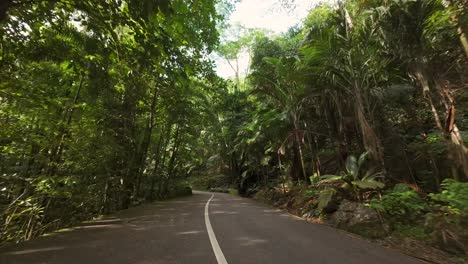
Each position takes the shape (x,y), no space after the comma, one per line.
(267,14)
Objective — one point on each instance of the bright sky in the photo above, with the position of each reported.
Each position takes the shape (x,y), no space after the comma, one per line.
(266,14)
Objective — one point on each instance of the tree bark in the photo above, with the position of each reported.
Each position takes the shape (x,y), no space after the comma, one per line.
(156,164)
(299,142)
(142,150)
(457,151)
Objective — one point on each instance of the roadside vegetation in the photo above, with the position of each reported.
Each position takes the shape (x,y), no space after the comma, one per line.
(103,105)
(357,117)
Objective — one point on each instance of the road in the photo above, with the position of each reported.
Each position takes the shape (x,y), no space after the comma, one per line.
(201,229)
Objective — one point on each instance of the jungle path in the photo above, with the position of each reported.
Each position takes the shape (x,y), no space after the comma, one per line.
(202,229)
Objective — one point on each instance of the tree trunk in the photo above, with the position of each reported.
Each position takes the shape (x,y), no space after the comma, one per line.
(175,148)
(457,151)
(56,153)
(163,160)
(299,141)
(370,139)
(125,135)
(4,6)
(143,148)
(156,165)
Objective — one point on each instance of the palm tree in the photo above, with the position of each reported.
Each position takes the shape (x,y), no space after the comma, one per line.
(404,27)
(287,92)
(346,58)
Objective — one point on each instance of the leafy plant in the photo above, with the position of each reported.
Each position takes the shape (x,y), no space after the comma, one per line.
(352,179)
(453,197)
(400,203)
(325,197)
(449,216)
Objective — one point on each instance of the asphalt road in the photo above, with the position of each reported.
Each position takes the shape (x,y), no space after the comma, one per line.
(190,230)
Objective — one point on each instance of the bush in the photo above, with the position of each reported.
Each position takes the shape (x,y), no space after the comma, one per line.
(209,181)
(180,189)
(220,190)
(401,203)
(449,217)
(454,197)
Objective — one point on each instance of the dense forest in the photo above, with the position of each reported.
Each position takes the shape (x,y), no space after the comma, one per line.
(105,104)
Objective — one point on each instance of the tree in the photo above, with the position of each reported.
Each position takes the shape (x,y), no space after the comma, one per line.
(92,99)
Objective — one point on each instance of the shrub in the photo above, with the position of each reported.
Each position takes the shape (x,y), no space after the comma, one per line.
(180,189)
(401,203)
(453,198)
(209,181)
(353,180)
(449,217)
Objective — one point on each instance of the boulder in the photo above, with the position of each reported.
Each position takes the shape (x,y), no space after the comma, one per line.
(360,219)
(332,206)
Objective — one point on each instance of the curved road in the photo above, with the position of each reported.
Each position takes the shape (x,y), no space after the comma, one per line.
(190,230)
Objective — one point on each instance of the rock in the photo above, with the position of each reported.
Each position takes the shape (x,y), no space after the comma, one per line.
(251,192)
(311,212)
(360,219)
(331,207)
(351,213)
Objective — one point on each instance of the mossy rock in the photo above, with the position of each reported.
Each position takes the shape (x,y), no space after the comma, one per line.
(360,219)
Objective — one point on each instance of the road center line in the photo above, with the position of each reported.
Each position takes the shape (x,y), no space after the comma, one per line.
(214,243)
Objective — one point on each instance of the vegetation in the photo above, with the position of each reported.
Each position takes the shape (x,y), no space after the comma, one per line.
(351,181)
(104,104)
(401,203)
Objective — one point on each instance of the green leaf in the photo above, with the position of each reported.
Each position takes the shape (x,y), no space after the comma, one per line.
(325,197)
(352,166)
(369,184)
(362,158)
(330,178)
(272,61)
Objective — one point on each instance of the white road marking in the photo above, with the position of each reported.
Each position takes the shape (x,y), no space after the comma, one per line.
(214,243)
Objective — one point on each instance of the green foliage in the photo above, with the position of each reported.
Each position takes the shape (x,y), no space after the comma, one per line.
(449,216)
(401,203)
(310,193)
(325,197)
(179,189)
(106,103)
(453,197)
(233,191)
(352,177)
(365,75)
(412,231)
(102,105)
(352,180)
(206,182)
